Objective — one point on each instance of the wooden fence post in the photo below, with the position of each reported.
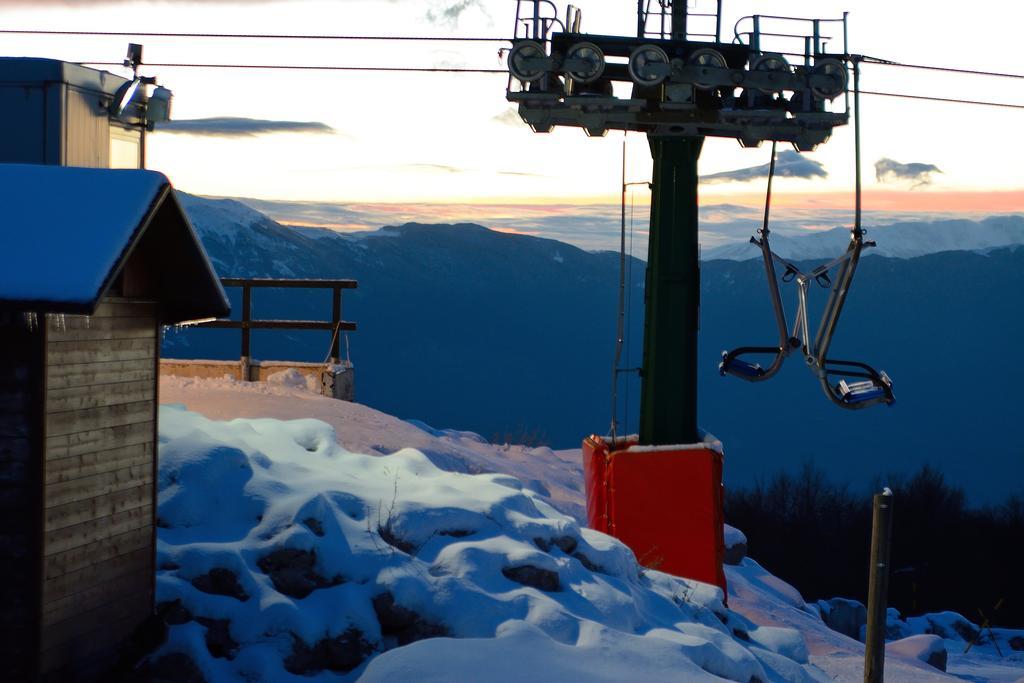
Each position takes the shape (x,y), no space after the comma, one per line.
(335,319)
(246,341)
(878,588)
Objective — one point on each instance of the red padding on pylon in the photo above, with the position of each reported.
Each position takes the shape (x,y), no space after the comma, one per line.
(665,504)
(595,472)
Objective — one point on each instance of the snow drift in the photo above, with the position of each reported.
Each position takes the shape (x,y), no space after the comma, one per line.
(283,556)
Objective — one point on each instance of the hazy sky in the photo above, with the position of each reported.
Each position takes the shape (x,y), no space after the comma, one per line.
(424,140)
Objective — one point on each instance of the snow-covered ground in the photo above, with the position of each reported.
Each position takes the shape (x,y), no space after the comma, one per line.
(293,550)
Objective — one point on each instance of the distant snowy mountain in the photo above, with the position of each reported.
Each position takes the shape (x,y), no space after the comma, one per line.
(512,336)
(220,216)
(901,240)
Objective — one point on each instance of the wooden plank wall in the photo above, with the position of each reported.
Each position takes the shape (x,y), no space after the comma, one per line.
(98,545)
(20,488)
(86,131)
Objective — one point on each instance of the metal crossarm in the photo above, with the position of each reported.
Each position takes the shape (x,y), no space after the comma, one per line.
(686,80)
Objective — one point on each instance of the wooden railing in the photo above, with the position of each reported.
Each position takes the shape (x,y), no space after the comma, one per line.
(336,325)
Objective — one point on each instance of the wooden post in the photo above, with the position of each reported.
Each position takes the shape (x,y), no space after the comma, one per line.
(246,318)
(335,319)
(878,588)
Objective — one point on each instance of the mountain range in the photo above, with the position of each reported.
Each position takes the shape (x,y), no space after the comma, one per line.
(512,336)
(898,240)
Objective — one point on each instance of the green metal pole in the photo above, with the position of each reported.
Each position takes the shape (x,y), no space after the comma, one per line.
(679,20)
(668,402)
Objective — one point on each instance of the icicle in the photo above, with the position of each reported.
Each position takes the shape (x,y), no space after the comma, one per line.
(192,323)
(56,320)
(31,320)
(88,322)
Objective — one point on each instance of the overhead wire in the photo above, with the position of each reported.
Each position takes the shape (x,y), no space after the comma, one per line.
(877,61)
(309,67)
(867,59)
(257,36)
(466,70)
(952,100)
(945,69)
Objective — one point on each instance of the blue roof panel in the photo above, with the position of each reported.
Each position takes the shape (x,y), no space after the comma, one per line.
(64,230)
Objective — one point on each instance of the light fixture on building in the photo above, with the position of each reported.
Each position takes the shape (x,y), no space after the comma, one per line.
(156,108)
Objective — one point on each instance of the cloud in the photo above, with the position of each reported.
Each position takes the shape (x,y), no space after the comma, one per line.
(433,168)
(232,127)
(509,117)
(450,12)
(524,174)
(788,164)
(921,174)
(326,214)
(445,168)
(91,3)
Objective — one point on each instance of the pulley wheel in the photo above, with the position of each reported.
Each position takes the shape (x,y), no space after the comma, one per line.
(585,62)
(707,58)
(648,65)
(520,58)
(772,63)
(830,78)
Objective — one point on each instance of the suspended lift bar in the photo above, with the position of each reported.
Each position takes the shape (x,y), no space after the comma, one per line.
(731,362)
(859,385)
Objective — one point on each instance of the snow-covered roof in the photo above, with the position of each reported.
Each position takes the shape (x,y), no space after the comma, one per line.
(66,233)
(38,71)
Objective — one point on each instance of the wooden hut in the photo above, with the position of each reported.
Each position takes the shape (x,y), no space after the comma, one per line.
(93,262)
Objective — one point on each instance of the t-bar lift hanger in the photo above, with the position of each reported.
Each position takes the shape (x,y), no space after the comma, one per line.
(856,385)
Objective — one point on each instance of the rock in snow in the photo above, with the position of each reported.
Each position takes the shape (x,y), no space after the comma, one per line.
(735,545)
(928,648)
(843,615)
(285,557)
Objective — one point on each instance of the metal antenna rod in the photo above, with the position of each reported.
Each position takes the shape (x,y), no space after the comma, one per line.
(768,195)
(718,23)
(856,142)
(846,51)
(620,334)
(620,329)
